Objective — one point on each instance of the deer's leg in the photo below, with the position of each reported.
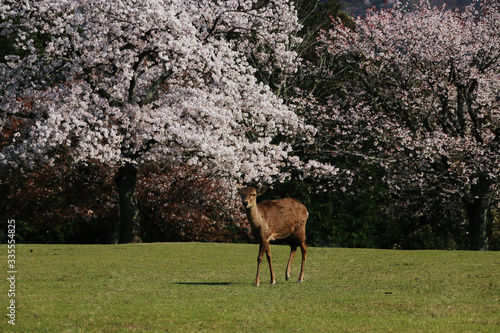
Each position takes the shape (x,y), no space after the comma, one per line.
(293,248)
(268,254)
(262,249)
(303,248)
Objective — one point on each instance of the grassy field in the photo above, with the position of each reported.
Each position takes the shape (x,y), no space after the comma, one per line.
(191,287)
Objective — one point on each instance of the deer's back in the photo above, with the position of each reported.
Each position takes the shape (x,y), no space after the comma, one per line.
(284,215)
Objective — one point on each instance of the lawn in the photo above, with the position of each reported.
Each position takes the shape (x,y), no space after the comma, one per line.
(191,287)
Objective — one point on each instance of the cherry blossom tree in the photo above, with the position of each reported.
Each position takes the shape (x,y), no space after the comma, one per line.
(126,82)
(421,99)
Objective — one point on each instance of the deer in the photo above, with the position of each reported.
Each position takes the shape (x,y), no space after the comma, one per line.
(275,219)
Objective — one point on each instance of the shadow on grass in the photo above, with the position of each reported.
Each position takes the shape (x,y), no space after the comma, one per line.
(205,283)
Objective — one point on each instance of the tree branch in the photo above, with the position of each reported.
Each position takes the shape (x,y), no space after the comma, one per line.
(133,81)
(100,91)
(152,92)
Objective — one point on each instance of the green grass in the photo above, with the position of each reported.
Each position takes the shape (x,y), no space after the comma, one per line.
(208,287)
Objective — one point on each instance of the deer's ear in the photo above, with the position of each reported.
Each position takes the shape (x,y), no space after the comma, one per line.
(239,186)
(261,189)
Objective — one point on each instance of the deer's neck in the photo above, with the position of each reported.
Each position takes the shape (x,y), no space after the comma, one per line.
(254,216)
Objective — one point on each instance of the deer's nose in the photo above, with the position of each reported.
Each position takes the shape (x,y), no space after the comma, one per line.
(245,203)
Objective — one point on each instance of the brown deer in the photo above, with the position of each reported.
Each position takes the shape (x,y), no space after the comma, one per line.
(275,219)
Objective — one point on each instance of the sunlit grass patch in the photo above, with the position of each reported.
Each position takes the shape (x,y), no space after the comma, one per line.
(208,287)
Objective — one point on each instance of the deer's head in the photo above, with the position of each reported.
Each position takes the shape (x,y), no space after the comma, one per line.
(249,195)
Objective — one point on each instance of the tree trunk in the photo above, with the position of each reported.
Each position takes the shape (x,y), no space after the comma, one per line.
(129,209)
(477,207)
